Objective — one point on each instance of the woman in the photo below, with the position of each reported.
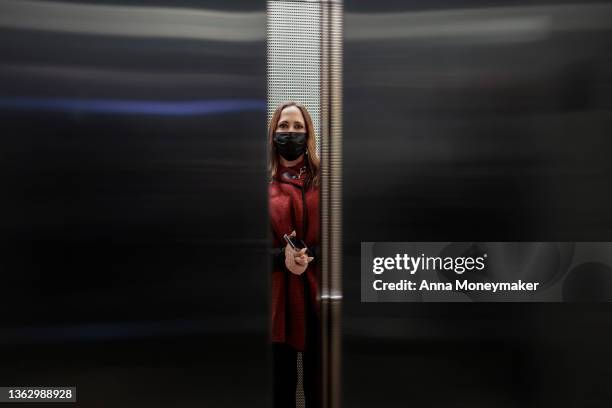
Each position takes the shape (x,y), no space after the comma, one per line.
(294,210)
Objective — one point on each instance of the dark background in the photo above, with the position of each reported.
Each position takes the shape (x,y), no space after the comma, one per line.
(456,134)
(134,213)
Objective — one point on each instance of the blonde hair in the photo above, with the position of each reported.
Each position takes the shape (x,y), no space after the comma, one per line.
(313,163)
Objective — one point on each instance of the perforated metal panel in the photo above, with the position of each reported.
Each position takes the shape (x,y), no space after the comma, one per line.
(294,56)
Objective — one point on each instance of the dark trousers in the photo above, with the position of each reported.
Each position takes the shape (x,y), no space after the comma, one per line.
(285,376)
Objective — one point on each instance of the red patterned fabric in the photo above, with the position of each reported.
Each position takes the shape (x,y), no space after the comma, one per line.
(292,209)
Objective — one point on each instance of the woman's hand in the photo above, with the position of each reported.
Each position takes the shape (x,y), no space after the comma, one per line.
(296,261)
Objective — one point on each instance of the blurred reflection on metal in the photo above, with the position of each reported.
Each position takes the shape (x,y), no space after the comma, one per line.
(174,108)
(482,121)
(482,25)
(134,206)
(132,21)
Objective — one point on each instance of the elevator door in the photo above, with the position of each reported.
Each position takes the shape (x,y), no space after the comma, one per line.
(475,121)
(134,206)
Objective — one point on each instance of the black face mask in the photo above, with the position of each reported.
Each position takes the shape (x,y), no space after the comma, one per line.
(290,145)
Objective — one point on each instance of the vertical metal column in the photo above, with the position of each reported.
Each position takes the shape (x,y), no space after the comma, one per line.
(331,199)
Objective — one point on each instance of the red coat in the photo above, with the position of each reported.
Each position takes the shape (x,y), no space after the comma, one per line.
(295,304)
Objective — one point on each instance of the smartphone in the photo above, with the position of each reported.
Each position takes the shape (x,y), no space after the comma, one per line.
(295,243)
